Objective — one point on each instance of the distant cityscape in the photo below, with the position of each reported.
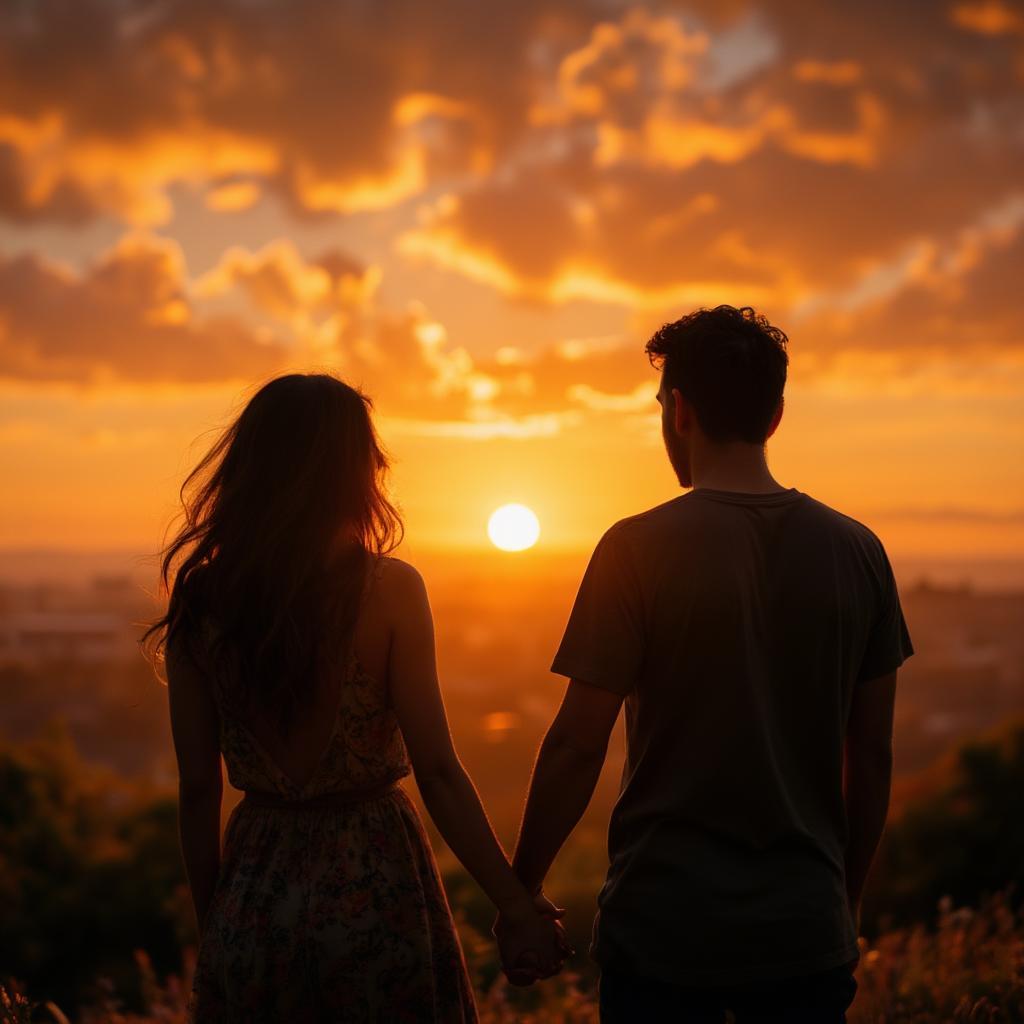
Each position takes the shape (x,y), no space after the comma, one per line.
(69,652)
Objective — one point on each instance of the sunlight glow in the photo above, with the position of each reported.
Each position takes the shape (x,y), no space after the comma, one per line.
(513,528)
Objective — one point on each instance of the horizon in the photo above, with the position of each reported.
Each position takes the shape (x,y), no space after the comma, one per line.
(80,567)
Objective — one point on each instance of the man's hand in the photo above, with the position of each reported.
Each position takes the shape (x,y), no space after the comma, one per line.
(534,945)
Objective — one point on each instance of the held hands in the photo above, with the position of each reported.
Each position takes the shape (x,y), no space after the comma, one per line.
(532,941)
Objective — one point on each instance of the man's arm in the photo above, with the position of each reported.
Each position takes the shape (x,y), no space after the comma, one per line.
(568,765)
(867,778)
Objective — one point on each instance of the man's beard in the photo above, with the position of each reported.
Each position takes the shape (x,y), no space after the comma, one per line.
(676,456)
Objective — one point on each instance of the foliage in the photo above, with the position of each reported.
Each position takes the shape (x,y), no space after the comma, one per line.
(967,970)
(970,968)
(89,868)
(964,841)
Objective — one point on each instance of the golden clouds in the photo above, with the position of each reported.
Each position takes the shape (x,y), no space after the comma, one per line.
(233,196)
(644,85)
(47,172)
(841,72)
(335,107)
(670,165)
(619,65)
(135,316)
(127,317)
(279,282)
(853,170)
(656,156)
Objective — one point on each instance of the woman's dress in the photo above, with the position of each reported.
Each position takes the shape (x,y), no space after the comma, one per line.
(329,905)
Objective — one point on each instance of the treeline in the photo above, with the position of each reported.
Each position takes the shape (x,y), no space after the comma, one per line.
(962,840)
(90,871)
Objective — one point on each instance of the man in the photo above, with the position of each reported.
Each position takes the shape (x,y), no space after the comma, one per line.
(754,635)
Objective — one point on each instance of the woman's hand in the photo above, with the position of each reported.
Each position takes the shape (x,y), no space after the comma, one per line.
(532,941)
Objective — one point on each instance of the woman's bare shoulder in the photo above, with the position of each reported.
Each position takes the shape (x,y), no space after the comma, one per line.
(398,581)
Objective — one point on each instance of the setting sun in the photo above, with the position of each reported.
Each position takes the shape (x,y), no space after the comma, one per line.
(513,528)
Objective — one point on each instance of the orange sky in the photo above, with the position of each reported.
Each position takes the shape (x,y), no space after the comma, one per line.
(479,213)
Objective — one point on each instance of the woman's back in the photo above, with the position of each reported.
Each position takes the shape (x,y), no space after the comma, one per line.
(346,738)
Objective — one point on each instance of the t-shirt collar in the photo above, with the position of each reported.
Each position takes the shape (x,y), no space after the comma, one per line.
(748,497)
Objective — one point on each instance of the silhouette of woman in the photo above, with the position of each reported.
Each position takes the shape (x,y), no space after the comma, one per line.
(300,651)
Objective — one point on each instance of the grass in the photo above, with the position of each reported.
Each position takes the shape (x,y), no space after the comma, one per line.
(967,969)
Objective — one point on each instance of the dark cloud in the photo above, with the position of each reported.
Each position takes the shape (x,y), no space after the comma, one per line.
(865,133)
(956,300)
(127,318)
(661,156)
(337,105)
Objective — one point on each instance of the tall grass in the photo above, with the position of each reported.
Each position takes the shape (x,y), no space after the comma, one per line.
(967,969)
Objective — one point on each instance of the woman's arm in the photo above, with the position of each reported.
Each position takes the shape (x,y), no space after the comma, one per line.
(195,728)
(446,788)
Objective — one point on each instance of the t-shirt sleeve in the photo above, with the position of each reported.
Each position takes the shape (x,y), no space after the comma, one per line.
(604,640)
(889,643)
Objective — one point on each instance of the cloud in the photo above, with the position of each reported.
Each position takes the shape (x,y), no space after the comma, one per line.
(651,156)
(332,106)
(127,317)
(961,513)
(284,285)
(523,428)
(535,238)
(640,399)
(644,85)
(950,302)
(135,316)
(656,180)
(852,174)
(233,196)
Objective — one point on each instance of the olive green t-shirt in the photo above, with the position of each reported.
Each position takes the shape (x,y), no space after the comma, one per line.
(737,626)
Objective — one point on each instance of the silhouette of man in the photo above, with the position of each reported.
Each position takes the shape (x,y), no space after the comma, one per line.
(753,634)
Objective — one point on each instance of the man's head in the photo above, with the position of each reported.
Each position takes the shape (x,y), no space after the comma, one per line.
(723,372)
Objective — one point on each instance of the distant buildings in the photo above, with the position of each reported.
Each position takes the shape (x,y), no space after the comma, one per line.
(44,624)
(38,637)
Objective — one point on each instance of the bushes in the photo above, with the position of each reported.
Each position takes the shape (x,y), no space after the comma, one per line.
(964,841)
(89,870)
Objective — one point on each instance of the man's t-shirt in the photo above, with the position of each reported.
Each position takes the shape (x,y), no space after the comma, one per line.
(738,627)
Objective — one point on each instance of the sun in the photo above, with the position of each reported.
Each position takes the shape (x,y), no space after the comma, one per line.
(513,528)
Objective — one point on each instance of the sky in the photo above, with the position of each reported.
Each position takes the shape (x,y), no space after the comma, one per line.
(479,213)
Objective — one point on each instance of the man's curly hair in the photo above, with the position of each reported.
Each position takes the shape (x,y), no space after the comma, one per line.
(730,364)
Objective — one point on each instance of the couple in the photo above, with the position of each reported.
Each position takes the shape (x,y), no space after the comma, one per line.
(752,632)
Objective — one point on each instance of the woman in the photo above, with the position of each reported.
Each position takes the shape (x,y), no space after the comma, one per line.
(299,651)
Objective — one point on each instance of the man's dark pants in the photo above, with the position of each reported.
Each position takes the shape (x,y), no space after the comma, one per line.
(813,999)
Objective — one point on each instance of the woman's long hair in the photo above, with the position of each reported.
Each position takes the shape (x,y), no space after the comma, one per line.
(283,518)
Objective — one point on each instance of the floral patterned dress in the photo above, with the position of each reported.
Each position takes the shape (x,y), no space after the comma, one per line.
(329,906)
